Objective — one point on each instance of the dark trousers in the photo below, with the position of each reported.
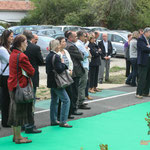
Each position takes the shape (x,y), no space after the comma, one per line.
(93,75)
(75,86)
(69,92)
(31,126)
(133,75)
(128,67)
(143,79)
(5,101)
(86,89)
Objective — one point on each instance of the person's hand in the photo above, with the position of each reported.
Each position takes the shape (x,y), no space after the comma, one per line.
(99,50)
(62,60)
(105,57)
(70,72)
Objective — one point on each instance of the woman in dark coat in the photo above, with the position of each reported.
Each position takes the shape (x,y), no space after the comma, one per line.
(94,65)
(20,114)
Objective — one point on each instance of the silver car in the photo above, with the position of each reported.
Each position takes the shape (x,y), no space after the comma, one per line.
(43,42)
(118,39)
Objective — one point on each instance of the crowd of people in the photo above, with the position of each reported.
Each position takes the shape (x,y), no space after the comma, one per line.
(82,56)
(137,54)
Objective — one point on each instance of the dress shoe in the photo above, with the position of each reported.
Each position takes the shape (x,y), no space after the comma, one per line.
(146,95)
(32,130)
(65,125)
(55,123)
(70,117)
(77,113)
(97,90)
(89,98)
(6,126)
(139,96)
(84,107)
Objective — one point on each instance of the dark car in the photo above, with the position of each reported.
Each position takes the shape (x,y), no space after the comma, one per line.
(43,42)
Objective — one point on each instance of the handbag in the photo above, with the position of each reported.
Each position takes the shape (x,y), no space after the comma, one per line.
(2,74)
(63,79)
(23,95)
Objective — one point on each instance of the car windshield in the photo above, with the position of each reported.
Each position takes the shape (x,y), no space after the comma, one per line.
(125,35)
(57,28)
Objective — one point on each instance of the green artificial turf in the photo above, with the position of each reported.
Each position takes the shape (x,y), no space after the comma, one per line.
(121,129)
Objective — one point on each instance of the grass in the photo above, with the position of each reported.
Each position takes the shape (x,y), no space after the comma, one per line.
(116,69)
(117,79)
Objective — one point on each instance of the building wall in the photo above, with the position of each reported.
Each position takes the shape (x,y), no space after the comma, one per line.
(12,16)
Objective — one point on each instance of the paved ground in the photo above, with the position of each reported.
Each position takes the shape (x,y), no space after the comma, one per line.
(107,100)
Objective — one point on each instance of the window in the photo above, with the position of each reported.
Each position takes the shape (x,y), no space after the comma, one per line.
(117,38)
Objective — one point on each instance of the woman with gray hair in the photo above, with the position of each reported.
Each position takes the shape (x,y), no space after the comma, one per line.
(57,93)
(131,80)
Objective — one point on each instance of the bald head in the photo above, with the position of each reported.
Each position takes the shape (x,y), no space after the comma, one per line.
(105,37)
(34,39)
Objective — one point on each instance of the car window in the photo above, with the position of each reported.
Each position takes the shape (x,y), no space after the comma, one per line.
(18,31)
(117,38)
(50,32)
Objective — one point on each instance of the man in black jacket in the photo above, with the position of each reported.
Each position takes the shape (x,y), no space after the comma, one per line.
(106,49)
(35,57)
(78,69)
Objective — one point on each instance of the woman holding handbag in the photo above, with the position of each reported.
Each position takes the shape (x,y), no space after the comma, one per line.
(20,113)
(57,93)
(5,42)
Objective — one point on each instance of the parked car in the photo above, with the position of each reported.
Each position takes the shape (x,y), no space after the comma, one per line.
(49,32)
(43,42)
(19,29)
(92,29)
(57,35)
(117,39)
(1,31)
(67,27)
(2,28)
(40,27)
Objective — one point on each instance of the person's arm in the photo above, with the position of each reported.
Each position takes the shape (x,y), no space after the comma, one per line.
(70,61)
(24,63)
(83,50)
(111,48)
(39,57)
(74,52)
(95,53)
(58,65)
(4,55)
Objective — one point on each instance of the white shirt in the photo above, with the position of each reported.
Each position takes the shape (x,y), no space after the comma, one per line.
(4,60)
(106,46)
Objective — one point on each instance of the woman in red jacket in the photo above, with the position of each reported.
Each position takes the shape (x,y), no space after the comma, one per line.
(20,114)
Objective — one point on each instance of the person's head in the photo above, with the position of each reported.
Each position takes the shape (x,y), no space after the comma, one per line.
(141,31)
(92,38)
(87,37)
(129,37)
(147,32)
(135,34)
(28,35)
(20,42)
(72,36)
(62,42)
(54,45)
(81,36)
(105,36)
(66,32)
(34,39)
(6,39)
(97,33)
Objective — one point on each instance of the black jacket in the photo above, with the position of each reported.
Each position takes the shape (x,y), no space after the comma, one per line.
(95,60)
(76,57)
(142,51)
(102,47)
(35,57)
(59,67)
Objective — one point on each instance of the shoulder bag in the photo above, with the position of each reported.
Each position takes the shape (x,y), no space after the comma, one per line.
(62,80)
(23,95)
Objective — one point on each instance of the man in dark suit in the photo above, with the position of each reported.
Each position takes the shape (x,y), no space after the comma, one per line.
(35,57)
(143,61)
(78,69)
(106,52)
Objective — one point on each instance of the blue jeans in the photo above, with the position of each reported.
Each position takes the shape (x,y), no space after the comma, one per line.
(133,75)
(56,94)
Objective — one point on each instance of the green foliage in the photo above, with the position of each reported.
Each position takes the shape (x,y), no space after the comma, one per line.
(113,14)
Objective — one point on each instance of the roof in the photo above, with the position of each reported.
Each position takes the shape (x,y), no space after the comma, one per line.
(16,6)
